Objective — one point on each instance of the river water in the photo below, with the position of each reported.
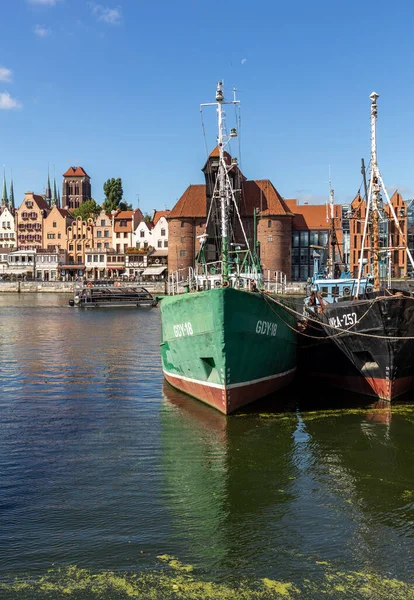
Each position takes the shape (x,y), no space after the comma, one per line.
(113,485)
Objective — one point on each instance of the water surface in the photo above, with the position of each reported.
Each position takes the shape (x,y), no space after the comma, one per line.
(114,485)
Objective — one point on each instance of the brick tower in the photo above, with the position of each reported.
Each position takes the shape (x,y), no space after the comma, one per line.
(76,188)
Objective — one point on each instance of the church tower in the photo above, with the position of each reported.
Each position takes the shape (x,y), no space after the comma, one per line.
(76,188)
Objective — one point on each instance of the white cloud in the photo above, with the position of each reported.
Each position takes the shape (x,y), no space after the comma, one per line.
(44,2)
(243,61)
(108,15)
(41,31)
(5,74)
(7,102)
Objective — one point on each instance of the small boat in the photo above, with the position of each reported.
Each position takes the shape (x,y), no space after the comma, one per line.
(109,296)
(361,337)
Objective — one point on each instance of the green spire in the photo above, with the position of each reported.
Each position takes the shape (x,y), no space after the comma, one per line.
(54,195)
(48,193)
(4,199)
(11,198)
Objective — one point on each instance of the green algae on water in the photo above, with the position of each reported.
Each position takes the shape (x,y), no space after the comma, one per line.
(176,581)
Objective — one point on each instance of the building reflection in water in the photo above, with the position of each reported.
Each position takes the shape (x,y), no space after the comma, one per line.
(227,480)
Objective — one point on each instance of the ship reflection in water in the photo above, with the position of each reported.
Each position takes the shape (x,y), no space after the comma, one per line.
(293,490)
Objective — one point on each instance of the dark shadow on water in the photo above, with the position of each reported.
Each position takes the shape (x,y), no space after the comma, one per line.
(295,397)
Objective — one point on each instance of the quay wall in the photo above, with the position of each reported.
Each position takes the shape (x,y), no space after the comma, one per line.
(65,287)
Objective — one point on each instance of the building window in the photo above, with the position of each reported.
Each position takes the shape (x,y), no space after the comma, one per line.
(89,257)
(182,239)
(106,244)
(162,231)
(183,252)
(123,223)
(99,234)
(182,223)
(270,239)
(118,235)
(159,243)
(165,243)
(54,224)
(269,223)
(142,233)
(106,233)
(125,234)
(79,260)
(79,247)
(102,222)
(101,258)
(59,236)
(99,245)
(71,248)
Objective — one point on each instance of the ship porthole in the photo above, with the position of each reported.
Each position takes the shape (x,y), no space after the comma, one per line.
(346,291)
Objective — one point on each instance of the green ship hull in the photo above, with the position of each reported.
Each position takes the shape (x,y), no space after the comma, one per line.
(227,347)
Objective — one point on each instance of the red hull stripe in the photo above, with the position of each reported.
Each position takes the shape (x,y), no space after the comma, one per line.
(385,389)
(229,398)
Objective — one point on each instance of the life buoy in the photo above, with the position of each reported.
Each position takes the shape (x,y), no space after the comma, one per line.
(89,284)
(346,291)
(157,260)
(368,289)
(217,284)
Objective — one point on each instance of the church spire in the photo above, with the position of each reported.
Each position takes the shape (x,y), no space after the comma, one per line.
(4,199)
(54,195)
(11,197)
(58,199)
(48,194)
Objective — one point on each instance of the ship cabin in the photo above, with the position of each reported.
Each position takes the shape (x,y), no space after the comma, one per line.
(340,287)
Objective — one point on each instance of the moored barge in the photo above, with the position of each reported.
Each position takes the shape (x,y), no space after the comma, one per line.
(110,296)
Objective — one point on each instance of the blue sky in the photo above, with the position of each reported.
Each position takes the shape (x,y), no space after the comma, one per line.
(116,87)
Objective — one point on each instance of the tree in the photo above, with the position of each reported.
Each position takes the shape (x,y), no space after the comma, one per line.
(87,209)
(113,194)
(125,205)
(147,218)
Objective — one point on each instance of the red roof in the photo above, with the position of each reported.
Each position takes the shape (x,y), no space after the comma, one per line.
(215,153)
(75,172)
(124,214)
(191,204)
(259,194)
(159,214)
(311,216)
(41,202)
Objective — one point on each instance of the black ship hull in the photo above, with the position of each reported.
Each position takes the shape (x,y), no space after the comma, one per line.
(375,356)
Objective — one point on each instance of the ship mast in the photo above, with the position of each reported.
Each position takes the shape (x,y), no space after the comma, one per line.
(332,236)
(375,191)
(223,185)
(375,185)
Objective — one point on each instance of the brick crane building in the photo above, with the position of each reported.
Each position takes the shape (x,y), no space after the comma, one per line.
(187,219)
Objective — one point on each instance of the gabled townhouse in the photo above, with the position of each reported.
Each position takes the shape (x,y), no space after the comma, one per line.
(124,224)
(79,239)
(7,228)
(102,231)
(55,228)
(152,233)
(29,219)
